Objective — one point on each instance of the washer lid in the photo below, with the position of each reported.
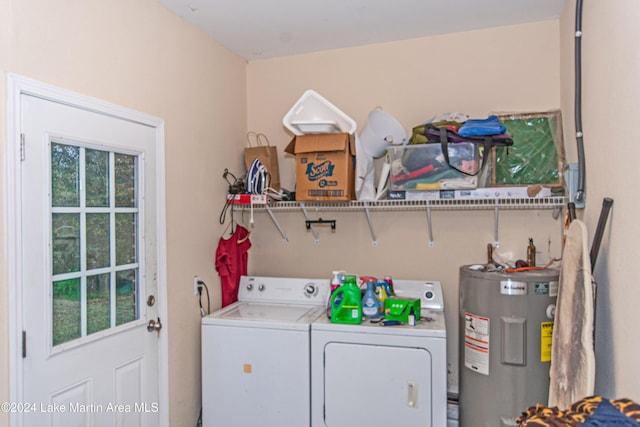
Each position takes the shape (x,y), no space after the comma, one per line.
(258,315)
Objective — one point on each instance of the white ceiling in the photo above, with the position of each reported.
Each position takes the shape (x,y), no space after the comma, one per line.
(259,29)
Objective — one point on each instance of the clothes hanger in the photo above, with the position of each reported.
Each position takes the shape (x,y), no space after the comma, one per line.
(245,238)
(234,229)
(223,218)
(229,228)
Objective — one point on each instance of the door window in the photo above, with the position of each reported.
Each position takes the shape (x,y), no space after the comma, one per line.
(94,240)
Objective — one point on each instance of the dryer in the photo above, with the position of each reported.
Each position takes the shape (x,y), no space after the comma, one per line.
(255,354)
(374,375)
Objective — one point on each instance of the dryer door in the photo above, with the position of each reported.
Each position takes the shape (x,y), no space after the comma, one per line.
(377,385)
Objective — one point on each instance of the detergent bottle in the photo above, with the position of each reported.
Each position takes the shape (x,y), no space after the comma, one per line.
(389,286)
(336,282)
(349,309)
(370,303)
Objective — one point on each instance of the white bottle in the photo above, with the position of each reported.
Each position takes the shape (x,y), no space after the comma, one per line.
(336,281)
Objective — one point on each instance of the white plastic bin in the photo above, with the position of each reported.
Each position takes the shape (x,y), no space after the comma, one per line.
(312,113)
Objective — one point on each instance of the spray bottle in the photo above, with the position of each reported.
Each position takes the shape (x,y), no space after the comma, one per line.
(381,293)
(336,281)
(370,303)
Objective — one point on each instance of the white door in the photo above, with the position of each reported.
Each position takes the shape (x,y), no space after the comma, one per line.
(89,268)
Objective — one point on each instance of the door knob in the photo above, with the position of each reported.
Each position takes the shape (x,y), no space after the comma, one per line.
(154,325)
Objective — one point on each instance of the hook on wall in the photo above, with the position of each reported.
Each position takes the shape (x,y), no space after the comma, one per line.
(332,222)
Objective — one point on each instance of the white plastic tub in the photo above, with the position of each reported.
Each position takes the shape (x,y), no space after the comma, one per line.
(312,113)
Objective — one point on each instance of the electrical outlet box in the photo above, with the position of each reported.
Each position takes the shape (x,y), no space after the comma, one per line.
(196,279)
(571,172)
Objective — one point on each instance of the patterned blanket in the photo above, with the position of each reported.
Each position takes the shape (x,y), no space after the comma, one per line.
(577,414)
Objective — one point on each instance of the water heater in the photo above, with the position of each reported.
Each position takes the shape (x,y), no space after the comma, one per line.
(506,326)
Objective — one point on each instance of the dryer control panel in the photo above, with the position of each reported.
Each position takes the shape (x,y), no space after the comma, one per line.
(429,292)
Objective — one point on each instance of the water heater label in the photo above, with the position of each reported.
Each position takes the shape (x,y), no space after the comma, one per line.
(546,336)
(512,287)
(541,288)
(553,289)
(546,288)
(476,343)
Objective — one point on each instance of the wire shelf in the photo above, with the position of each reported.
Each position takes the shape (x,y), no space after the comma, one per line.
(496,204)
(412,205)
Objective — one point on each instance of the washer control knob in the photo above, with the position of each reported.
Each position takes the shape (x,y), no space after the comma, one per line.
(429,295)
(250,286)
(261,287)
(310,289)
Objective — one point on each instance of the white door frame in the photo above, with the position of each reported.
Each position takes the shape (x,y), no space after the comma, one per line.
(16,87)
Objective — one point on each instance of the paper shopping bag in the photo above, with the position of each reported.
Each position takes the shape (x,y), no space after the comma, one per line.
(259,148)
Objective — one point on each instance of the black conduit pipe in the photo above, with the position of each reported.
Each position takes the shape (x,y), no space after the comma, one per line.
(572,211)
(580,195)
(597,238)
(607,203)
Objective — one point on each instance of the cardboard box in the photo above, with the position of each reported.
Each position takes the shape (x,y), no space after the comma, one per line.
(324,166)
(424,167)
(399,308)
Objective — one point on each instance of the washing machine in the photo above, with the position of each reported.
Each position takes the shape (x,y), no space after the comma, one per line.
(379,376)
(255,354)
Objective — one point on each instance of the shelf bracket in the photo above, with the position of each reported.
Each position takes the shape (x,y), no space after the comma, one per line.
(430,228)
(496,216)
(371,230)
(309,227)
(275,222)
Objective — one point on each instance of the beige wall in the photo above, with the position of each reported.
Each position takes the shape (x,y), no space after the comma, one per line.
(513,68)
(530,69)
(139,55)
(610,93)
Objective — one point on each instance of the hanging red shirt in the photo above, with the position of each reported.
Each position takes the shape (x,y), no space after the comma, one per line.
(231,263)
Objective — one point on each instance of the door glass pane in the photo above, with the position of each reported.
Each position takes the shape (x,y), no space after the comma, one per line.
(125,238)
(65,175)
(98,303)
(126,291)
(98,248)
(125,180)
(94,231)
(66,310)
(97,176)
(65,228)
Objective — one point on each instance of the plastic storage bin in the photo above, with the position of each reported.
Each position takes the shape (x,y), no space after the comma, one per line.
(424,167)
